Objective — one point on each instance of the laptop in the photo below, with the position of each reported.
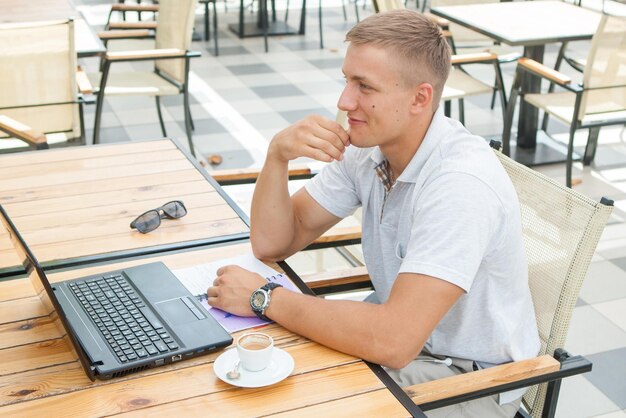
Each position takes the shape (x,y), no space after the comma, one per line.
(126,321)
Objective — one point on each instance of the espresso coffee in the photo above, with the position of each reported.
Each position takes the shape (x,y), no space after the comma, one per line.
(255,346)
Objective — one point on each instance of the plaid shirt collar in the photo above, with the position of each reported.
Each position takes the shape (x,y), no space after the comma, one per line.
(384,174)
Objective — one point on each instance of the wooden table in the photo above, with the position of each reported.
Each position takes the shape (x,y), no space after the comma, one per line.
(75,205)
(531,24)
(87,42)
(40,374)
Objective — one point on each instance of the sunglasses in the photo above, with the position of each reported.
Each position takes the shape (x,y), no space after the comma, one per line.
(151,220)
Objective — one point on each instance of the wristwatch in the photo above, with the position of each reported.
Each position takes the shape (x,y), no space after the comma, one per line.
(260,299)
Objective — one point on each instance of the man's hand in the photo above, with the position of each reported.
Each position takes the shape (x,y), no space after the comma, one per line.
(232,288)
(314,136)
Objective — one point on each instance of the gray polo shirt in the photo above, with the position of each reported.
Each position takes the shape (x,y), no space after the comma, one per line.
(453,214)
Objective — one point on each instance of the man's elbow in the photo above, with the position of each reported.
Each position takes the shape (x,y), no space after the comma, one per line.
(396,361)
(262,252)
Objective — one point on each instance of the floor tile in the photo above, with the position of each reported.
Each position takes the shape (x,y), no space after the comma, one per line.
(249,69)
(591,332)
(615,310)
(293,116)
(609,374)
(281,90)
(579,398)
(604,281)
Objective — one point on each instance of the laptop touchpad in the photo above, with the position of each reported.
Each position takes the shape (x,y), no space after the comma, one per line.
(174,311)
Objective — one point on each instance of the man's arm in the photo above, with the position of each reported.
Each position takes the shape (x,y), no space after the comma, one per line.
(280,225)
(391,334)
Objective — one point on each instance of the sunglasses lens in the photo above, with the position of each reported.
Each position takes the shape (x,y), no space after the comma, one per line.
(174,209)
(148,222)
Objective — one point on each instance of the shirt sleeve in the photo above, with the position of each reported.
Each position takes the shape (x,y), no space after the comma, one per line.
(457,220)
(334,188)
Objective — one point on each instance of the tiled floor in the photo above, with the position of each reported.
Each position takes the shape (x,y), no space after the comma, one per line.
(244,96)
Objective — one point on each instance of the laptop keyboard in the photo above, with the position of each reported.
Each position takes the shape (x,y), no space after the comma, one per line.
(131,329)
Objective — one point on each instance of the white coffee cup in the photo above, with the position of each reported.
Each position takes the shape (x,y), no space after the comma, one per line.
(255,351)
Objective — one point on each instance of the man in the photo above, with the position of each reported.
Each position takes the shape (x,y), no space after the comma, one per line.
(441,229)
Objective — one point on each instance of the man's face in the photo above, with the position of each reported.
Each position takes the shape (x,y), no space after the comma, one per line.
(375,97)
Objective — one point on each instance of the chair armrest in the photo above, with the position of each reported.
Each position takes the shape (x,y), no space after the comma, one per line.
(84,85)
(24,132)
(133,25)
(125,34)
(149,54)
(352,276)
(123,7)
(544,71)
(473,58)
(477,384)
(439,21)
(250,175)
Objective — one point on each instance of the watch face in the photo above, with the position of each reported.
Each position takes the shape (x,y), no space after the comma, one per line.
(257,300)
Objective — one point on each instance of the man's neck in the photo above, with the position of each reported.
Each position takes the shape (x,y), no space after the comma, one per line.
(401,151)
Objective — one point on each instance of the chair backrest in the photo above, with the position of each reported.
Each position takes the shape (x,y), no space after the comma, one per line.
(38,76)
(463,36)
(174,30)
(561,231)
(605,69)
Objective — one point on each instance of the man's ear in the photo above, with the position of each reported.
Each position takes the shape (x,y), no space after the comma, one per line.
(422,98)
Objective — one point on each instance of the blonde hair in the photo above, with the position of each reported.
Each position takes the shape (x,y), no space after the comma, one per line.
(419,45)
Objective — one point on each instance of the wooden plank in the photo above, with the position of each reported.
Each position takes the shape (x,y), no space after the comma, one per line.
(70,177)
(481,379)
(64,374)
(103,228)
(80,188)
(377,403)
(16,289)
(90,163)
(335,278)
(9,258)
(295,391)
(93,208)
(27,332)
(166,234)
(78,153)
(21,309)
(31,358)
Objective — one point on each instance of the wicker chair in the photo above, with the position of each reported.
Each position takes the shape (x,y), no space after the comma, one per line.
(561,231)
(171,69)
(40,103)
(600,100)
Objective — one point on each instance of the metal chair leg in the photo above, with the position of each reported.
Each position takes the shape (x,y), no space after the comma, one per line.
(462,111)
(356,10)
(158,106)
(508,117)
(319,18)
(592,145)
(217,52)
(447,108)
(100,102)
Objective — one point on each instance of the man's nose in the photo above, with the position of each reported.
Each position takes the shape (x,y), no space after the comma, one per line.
(347,100)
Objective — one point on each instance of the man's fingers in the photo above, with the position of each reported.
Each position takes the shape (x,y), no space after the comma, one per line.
(327,147)
(212,291)
(336,129)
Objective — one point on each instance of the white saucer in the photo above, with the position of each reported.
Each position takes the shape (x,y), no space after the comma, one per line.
(279,368)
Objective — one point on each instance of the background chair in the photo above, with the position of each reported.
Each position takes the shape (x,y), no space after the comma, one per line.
(39,85)
(466,41)
(600,100)
(171,65)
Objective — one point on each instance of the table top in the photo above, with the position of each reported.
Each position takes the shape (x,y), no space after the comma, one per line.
(525,23)
(75,205)
(87,42)
(40,373)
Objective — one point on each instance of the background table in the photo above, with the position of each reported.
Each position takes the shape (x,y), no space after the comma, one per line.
(531,24)
(86,41)
(75,205)
(40,374)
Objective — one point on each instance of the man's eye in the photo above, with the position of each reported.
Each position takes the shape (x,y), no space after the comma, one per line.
(364,86)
